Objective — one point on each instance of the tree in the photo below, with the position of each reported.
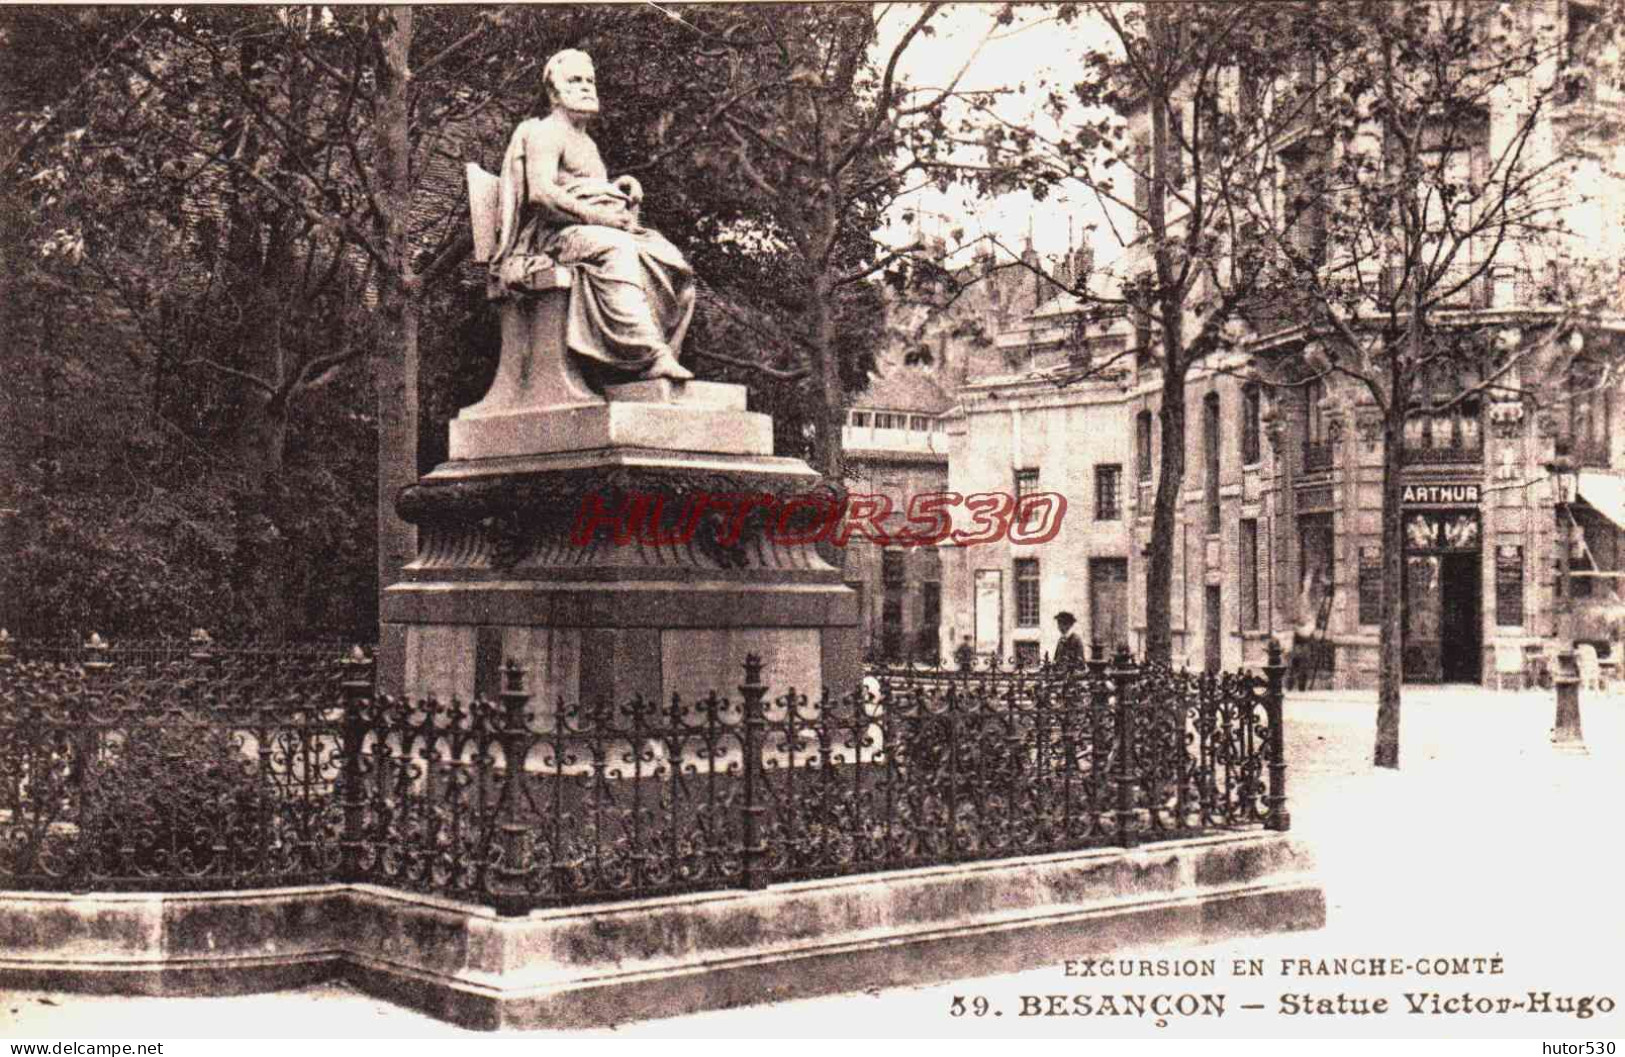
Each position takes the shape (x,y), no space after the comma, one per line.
(797,116)
(314,144)
(1368,169)
(261,211)
(1441,180)
(1157,131)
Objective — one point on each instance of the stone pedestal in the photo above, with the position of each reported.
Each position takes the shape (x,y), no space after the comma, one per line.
(662,415)
(503,573)
(596,619)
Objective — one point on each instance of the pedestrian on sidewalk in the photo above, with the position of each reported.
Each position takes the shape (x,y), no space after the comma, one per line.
(1069,651)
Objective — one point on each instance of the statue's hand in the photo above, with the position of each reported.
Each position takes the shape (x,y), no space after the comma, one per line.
(629,186)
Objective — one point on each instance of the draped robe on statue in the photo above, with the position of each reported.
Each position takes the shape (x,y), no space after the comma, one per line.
(633,295)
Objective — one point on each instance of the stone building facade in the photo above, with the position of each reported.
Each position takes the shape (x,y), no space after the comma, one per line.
(1278,529)
(1016,433)
(1278,524)
(895,447)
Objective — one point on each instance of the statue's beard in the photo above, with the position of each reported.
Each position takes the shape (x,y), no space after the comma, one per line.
(588,109)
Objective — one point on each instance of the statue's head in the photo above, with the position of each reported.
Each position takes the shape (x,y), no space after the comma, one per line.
(571,82)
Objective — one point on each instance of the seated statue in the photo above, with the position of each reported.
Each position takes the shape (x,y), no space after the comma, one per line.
(632,295)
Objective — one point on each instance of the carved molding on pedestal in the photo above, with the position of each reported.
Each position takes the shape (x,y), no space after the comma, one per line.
(613,521)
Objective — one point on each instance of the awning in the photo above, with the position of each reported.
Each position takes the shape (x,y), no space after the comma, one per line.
(1606,492)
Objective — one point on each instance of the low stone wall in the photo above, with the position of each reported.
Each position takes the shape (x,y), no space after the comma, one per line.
(576,967)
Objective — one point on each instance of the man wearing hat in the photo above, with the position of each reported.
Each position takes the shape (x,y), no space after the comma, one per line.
(1069,651)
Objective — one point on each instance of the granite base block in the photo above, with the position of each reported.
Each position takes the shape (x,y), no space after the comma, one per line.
(610,963)
(619,423)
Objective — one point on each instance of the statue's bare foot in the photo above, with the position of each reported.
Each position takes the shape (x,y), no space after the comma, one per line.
(666,366)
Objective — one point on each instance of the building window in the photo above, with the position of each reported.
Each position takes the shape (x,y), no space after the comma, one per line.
(1317,448)
(860,418)
(1026,592)
(1301,211)
(1316,543)
(1591,409)
(927,643)
(1108,492)
(1144,354)
(1509,585)
(931,605)
(1142,444)
(1594,549)
(1251,93)
(891,568)
(891,629)
(1251,423)
(1249,574)
(1176,141)
(1582,53)
(1315,417)
(1371,585)
(887,420)
(1210,452)
(919,423)
(1452,433)
(1027,484)
(1142,175)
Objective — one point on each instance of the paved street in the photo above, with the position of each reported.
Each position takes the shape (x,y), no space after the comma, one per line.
(1485,844)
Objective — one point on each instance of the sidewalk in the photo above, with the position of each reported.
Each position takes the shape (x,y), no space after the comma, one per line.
(1486,842)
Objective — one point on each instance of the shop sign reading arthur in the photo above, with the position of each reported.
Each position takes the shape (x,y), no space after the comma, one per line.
(1440,495)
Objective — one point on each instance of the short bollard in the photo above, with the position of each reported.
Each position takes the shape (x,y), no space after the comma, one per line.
(201,643)
(96,663)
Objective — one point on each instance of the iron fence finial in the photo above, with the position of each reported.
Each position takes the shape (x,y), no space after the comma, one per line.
(513,677)
(753,669)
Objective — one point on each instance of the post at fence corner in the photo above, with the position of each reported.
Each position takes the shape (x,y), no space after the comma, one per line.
(96,664)
(358,690)
(1279,817)
(752,693)
(1124,677)
(508,880)
(202,643)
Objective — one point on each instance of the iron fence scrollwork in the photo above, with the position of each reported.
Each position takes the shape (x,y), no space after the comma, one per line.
(205,771)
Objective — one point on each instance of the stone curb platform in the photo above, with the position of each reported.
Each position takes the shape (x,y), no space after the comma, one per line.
(609,963)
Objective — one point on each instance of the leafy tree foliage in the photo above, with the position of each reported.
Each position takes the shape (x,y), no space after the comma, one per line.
(235,242)
(1363,171)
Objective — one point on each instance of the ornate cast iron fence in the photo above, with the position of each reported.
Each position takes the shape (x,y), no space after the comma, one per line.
(199,775)
(496,803)
(166,776)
